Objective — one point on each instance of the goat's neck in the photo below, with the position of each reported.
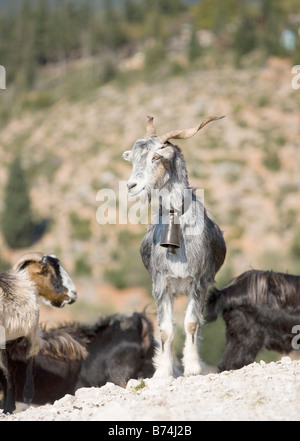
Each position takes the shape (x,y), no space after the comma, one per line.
(175,188)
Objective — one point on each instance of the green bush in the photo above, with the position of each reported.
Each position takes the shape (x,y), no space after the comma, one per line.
(272,161)
(82,267)
(129,269)
(81,228)
(154,55)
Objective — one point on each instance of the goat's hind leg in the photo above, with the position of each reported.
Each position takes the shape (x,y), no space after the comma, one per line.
(193,318)
(163,360)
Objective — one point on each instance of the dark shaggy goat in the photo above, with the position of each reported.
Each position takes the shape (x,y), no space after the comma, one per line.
(260,309)
(115,349)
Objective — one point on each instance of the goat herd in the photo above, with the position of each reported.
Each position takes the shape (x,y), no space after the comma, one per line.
(182,250)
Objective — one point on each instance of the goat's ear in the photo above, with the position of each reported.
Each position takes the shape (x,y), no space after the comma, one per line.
(127,155)
(166,152)
(22,265)
(37,267)
(26,263)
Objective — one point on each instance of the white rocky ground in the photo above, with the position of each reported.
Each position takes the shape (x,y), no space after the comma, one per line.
(256,392)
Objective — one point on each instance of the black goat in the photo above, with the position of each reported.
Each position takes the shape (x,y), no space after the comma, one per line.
(115,349)
(260,309)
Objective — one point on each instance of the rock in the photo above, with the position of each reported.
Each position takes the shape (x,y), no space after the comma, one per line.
(254,392)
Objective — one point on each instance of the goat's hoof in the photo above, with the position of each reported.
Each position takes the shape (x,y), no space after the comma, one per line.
(162,373)
(192,370)
(8,412)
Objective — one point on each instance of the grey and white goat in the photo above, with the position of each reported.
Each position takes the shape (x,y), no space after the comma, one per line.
(188,266)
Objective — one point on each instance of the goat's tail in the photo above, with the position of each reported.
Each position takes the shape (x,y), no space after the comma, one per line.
(215,304)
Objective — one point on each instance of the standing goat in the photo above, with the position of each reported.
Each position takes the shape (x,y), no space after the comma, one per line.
(182,257)
(260,309)
(35,274)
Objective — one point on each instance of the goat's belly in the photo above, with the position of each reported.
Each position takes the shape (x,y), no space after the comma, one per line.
(173,265)
(176,268)
(13,334)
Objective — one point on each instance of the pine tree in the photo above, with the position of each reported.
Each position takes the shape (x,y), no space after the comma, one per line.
(17,225)
(194,49)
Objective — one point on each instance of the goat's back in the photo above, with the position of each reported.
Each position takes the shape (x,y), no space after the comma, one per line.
(122,348)
(264,289)
(19,305)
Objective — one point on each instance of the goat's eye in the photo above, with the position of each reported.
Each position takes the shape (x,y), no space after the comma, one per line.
(156,157)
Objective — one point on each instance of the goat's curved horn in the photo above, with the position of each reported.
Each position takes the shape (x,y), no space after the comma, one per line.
(150,127)
(28,257)
(187,133)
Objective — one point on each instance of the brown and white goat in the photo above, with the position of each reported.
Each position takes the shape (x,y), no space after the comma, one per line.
(34,275)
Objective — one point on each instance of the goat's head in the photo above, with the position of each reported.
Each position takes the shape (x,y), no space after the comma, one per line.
(152,157)
(53,283)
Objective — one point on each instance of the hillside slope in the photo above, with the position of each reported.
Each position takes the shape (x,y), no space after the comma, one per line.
(248,164)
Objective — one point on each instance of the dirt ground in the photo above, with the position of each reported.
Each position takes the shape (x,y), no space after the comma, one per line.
(259,391)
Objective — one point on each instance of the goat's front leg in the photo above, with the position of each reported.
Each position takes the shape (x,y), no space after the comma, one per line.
(163,360)
(34,343)
(193,318)
(29,382)
(7,379)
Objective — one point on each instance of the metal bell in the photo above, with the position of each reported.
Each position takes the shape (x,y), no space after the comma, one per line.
(171,237)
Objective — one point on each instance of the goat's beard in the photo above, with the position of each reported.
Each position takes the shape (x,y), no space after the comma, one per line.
(162,192)
(145,195)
